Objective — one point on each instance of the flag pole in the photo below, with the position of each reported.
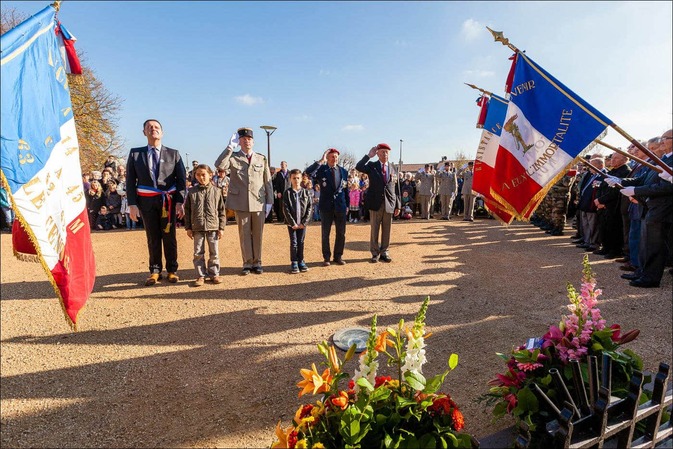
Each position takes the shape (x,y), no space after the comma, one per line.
(485,92)
(622,152)
(498,36)
(594,168)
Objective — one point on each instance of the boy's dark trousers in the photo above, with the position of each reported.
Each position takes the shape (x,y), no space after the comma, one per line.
(296,244)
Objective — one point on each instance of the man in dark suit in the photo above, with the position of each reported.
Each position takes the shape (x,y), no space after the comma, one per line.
(281,182)
(155,189)
(333,204)
(657,195)
(383,200)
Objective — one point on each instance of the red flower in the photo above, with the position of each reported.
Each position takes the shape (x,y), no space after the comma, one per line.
(380,380)
(292,439)
(440,406)
(511,402)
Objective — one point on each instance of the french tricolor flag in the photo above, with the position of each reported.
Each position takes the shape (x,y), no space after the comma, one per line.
(493,110)
(39,161)
(66,42)
(545,128)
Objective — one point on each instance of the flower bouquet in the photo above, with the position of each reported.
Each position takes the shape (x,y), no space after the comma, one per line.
(377,411)
(581,333)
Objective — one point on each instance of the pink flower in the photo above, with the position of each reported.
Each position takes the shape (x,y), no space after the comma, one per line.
(529,366)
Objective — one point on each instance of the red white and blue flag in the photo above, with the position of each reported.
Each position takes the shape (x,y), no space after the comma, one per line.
(546,126)
(492,117)
(66,42)
(39,162)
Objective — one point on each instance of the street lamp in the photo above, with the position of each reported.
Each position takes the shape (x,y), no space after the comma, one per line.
(269,130)
(187,155)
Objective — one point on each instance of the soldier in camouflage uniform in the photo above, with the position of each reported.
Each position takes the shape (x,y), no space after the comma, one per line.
(543,213)
(560,199)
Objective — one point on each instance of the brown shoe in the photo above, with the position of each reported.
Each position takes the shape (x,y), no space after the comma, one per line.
(198,282)
(215,279)
(627,267)
(173,278)
(153,279)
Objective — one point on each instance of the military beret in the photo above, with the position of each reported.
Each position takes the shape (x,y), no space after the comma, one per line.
(333,150)
(383,146)
(245,132)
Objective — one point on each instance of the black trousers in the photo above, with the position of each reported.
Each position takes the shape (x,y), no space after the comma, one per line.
(327,217)
(296,244)
(654,249)
(150,210)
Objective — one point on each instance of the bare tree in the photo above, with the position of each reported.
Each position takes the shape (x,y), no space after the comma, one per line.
(95,108)
(461,158)
(347,160)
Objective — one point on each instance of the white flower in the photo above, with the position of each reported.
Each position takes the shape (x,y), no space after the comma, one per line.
(366,370)
(415,354)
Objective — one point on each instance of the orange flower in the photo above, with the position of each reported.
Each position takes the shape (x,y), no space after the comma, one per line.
(340,401)
(334,360)
(282,436)
(458,419)
(382,342)
(314,382)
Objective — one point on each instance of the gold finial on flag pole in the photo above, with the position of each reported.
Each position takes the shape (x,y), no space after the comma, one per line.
(485,92)
(500,37)
(56,5)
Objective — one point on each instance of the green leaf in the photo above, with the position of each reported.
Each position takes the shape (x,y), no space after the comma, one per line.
(546,380)
(527,401)
(415,380)
(453,361)
(433,384)
(597,346)
(503,356)
(364,383)
(380,394)
(500,409)
(427,441)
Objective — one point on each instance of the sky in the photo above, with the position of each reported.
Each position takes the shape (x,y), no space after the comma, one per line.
(350,75)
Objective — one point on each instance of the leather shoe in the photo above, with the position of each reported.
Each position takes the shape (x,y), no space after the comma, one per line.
(198,282)
(216,279)
(612,256)
(245,272)
(643,284)
(172,278)
(630,276)
(623,259)
(386,258)
(325,263)
(257,270)
(582,245)
(373,260)
(600,252)
(153,279)
(627,267)
(339,261)
(591,249)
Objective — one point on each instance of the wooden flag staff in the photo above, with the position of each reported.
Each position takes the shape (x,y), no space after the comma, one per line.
(498,36)
(620,151)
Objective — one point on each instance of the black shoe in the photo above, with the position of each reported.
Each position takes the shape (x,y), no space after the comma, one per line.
(386,258)
(627,267)
(339,261)
(612,256)
(643,284)
(257,270)
(600,252)
(373,260)
(582,245)
(325,263)
(245,272)
(576,236)
(591,249)
(577,240)
(556,232)
(630,276)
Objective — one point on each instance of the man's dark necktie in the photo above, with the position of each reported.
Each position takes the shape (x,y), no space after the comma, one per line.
(334,178)
(155,160)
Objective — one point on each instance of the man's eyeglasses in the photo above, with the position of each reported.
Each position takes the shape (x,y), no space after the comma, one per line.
(665,138)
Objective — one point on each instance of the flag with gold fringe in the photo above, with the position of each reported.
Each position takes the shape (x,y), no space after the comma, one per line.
(546,126)
(40,164)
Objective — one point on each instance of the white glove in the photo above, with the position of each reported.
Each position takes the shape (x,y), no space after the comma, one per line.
(612,180)
(666,176)
(233,142)
(268,209)
(421,170)
(628,191)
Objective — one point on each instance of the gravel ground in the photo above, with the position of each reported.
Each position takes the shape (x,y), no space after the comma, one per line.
(216,366)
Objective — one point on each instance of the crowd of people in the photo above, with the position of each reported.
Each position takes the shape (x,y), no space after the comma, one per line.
(622,209)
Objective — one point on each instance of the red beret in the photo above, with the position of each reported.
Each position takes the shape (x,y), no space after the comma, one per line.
(383,146)
(333,150)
